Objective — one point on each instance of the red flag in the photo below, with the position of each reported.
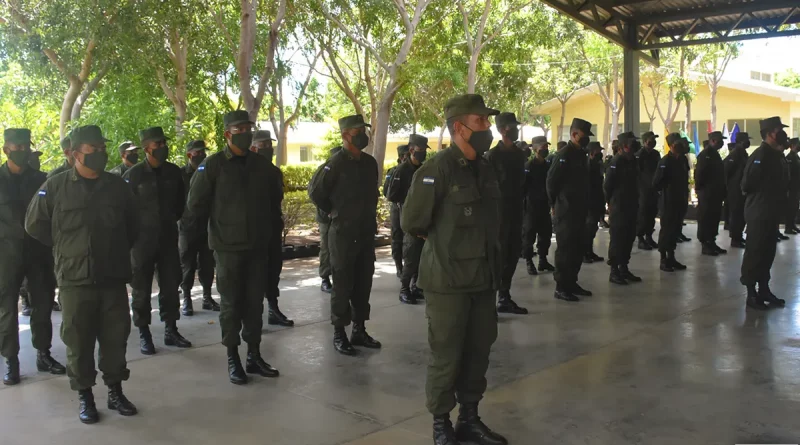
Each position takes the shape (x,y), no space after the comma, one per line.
(710,130)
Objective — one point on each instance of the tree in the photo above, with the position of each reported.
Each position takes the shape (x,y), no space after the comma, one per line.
(713,60)
(670,80)
(789,78)
(604,64)
(562,79)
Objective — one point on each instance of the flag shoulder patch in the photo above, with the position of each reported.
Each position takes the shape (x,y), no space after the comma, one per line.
(42,193)
(428,180)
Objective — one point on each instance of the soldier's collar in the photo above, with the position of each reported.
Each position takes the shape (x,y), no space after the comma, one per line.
(459,155)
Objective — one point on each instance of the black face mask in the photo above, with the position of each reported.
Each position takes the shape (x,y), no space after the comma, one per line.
(746,144)
(651,144)
(717,145)
(782,138)
(267,153)
(132,158)
(34,162)
(420,156)
(160,154)
(584,141)
(481,141)
(196,160)
(95,161)
(242,141)
(360,141)
(19,157)
(513,133)
(544,152)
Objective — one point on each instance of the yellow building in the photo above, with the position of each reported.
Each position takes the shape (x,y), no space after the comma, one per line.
(742,102)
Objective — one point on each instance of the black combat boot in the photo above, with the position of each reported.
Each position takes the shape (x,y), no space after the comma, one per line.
(398,265)
(673,262)
(766,296)
(666,264)
(754,300)
(11,376)
(587,258)
(651,241)
(186,308)
(26,305)
(563,294)
(118,402)
(416,292)
(544,265)
(173,338)
(236,372)
(257,365)
(276,317)
(57,305)
(505,305)
(46,363)
(326,285)
(531,267)
(360,337)
(643,244)
(595,257)
(209,304)
(406,296)
(87,410)
(615,276)
(781,236)
(738,243)
(443,433)
(342,343)
(684,238)
(719,250)
(146,345)
(708,249)
(470,428)
(628,275)
(577,290)
(604,224)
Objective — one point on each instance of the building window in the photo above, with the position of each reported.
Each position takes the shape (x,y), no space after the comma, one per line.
(755,75)
(305,153)
(764,77)
(750,126)
(795,128)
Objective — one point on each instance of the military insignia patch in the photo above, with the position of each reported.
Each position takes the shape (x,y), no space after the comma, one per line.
(468,211)
(42,192)
(428,180)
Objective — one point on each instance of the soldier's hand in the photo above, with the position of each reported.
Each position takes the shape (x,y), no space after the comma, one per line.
(423,237)
(552,211)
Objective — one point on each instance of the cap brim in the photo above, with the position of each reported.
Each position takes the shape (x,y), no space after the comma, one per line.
(590,133)
(247,121)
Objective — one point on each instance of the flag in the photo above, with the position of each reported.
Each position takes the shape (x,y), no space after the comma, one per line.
(725,131)
(692,146)
(696,140)
(708,127)
(734,132)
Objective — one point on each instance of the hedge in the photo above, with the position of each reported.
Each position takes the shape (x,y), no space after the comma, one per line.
(298,176)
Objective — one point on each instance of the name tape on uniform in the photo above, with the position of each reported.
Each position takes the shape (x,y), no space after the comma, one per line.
(757,161)
(42,192)
(428,180)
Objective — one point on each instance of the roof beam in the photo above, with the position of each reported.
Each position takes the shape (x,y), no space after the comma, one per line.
(712,11)
(736,38)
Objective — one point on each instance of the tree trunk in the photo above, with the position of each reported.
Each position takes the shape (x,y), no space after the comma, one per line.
(77,108)
(441,135)
(561,123)
(472,74)
(615,122)
(713,87)
(606,128)
(282,154)
(687,126)
(382,132)
(73,92)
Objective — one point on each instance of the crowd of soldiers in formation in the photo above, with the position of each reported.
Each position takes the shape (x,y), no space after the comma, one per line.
(460,222)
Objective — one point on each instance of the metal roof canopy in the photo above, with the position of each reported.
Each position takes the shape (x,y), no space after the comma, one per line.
(649,25)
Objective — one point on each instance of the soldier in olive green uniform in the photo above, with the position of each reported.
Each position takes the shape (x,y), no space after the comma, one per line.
(709,182)
(232,189)
(397,191)
(160,197)
(324,221)
(23,257)
(262,144)
(88,216)
(129,153)
(734,169)
(597,202)
(538,227)
(394,212)
(621,189)
(508,162)
(568,192)
(793,160)
(455,204)
(347,190)
(647,158)
(193,243)
(66,148)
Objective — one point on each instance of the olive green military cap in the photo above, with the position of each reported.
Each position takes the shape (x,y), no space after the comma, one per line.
(649,135)
(418,140)
(17,136)
(89,134)
(66,143)
(771,123)
(716,135)
(538,141)
(262,135)
(792,141)
(354,121)
(506,119)
(594,145)
(402,150)
(582,125)
(561,144)
(627,137)
(152,134)
(196,145)
(672,138)
(468,104)
(742,136)
(236,117)
(126,146)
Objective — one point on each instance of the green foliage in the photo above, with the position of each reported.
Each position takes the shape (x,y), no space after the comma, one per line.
(297,177)
(789,78)
(298,211)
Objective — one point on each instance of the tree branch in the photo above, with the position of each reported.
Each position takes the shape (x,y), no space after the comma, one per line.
(358,40)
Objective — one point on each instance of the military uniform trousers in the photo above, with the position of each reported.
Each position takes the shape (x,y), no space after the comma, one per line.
(461,331)
(623,234)
(570,248)
(735,206)
(648,209)
(163,261)
(538,228)
(95,314)
(196,256)
(671,226)
(353,263)
(241,285)
(412,250)
(274,263)
(759,253)
(590,230)
(791,210)
(510,248)
(38,270)
(397,233)
(324,252)
(709,214)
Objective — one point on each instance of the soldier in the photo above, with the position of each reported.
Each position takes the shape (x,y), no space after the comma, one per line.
(647,159)
(129,153)
(262,144)
(681,237)
(89,218)
(608,158)
(23,257)
(455,204)
(568,193)
(621,189)
(66,148)
(764,185)
(793,160)
(538,227)
(672,180)
(157,186)
(709,182)
(508,162)
(324,222)
(397,192)
(394,212)
(597,202)
(193,248)
(734,169)
(35,161)
(347,190)
(231,189)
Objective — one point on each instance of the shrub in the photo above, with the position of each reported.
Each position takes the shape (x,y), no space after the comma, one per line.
(298,211)
(298,176)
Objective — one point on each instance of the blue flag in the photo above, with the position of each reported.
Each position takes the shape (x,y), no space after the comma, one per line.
(734,132)
(696,140)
